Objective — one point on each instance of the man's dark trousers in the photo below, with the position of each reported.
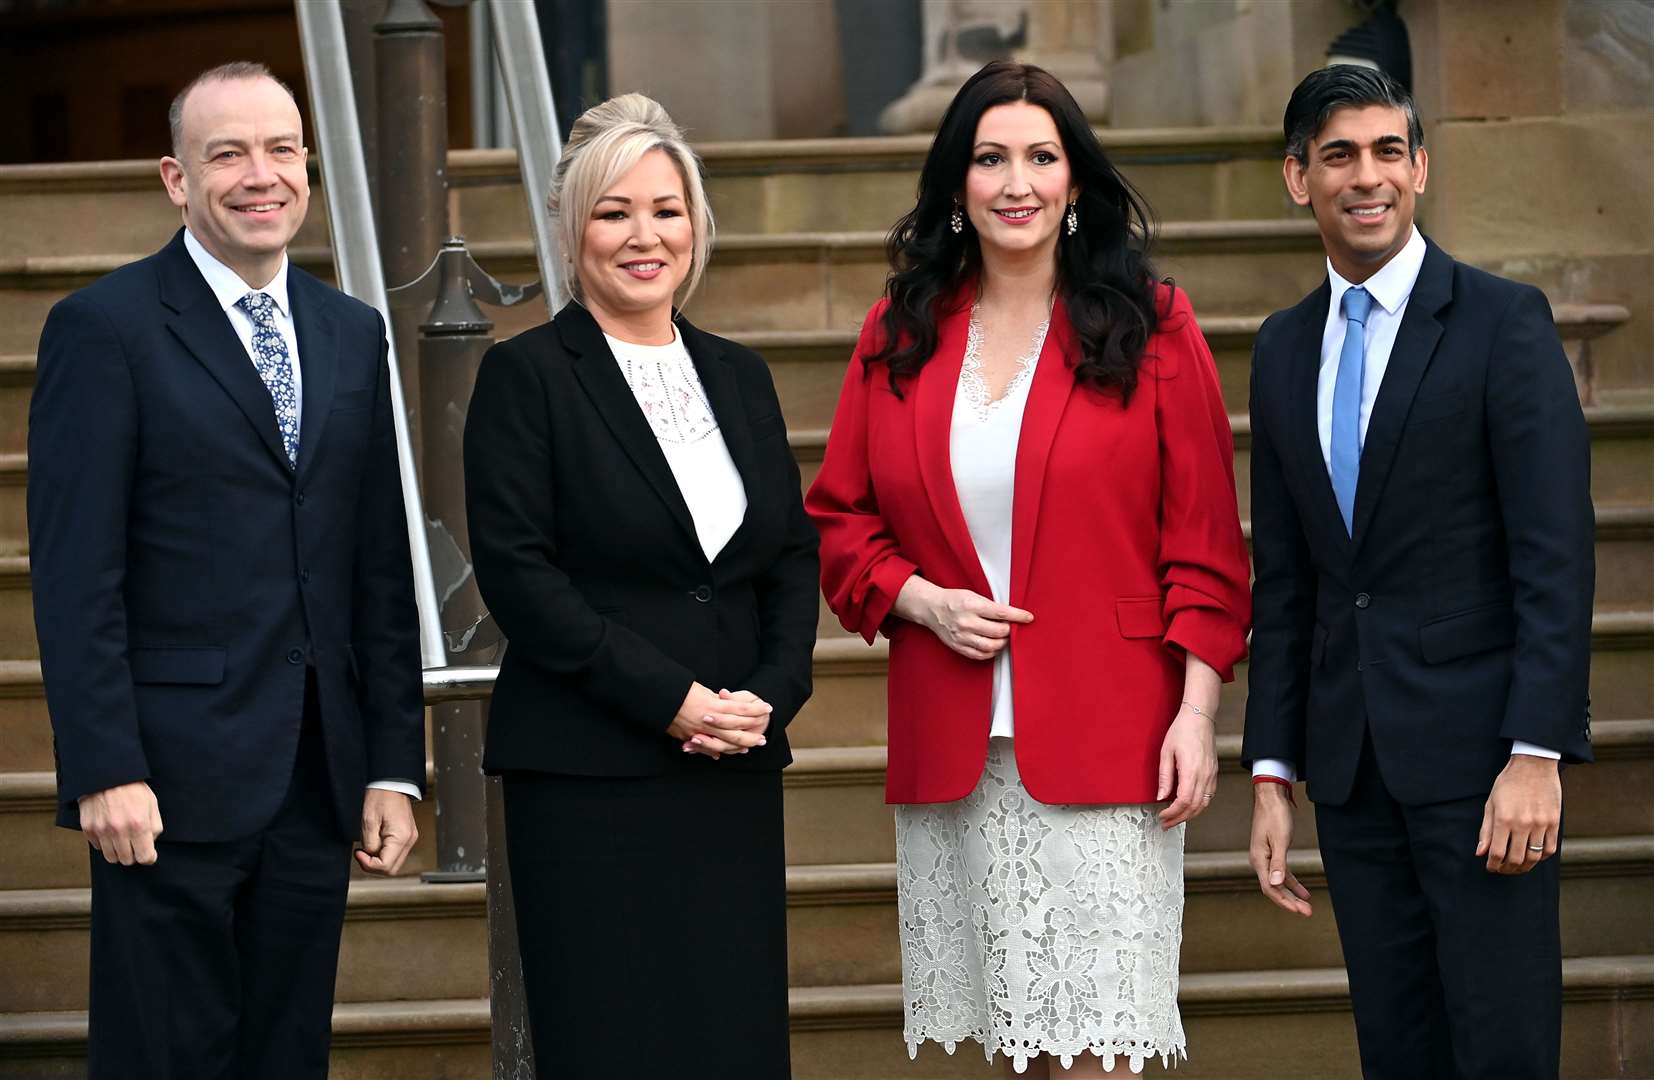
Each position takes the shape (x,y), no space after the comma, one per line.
(247,931)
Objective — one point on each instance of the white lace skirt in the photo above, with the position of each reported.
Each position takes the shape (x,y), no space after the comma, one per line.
(1039,929)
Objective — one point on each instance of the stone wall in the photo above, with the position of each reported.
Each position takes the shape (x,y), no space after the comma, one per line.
(1539,120)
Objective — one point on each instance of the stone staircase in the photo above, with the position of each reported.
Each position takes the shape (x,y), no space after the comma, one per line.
(798,260)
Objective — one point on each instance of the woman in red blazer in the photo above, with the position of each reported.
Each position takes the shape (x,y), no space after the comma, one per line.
(1029,489)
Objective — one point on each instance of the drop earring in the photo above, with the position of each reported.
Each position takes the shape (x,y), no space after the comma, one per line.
(1073,220)
(956,221)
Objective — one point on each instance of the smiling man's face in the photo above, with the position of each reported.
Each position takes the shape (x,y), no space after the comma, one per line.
(240,176)
(1362,186)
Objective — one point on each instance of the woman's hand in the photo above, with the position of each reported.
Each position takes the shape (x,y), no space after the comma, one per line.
(970,624)
(1188,766)
(728,722)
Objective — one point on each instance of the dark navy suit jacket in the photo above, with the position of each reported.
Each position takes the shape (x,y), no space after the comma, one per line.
(1458,617)
(186,576)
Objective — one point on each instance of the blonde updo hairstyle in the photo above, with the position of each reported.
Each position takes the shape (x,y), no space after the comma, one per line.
(605,143)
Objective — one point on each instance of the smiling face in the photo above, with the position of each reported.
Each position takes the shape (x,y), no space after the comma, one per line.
(637,247)
(240,176)
(1361,185)
(1017,186)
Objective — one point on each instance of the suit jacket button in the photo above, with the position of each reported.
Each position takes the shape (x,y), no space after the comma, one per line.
(295,656)
(703,593)
(1362,600)
(299,498)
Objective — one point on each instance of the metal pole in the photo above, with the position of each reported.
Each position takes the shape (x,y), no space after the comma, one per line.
(539,139)
(453,338)
(412,136)
(356,263)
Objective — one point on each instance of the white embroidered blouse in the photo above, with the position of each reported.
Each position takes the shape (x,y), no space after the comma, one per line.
(669,391)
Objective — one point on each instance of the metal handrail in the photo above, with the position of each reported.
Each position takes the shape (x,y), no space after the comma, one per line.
(445,684)
(356,261)
(534,120)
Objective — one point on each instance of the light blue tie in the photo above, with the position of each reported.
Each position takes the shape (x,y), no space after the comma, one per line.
(1346,403)
(274,367)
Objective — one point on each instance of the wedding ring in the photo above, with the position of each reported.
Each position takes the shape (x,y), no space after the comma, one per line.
(1207,794)
(1532,847)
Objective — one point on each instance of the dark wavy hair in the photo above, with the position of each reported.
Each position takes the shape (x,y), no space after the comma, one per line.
(1103,271)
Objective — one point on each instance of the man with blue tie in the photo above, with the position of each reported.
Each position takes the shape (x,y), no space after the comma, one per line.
(224,605)
(1422,534)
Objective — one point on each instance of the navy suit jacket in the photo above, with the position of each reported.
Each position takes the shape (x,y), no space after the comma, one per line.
(186,576)
(1458,616)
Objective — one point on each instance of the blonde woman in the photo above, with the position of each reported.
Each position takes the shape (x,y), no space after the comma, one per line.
(638,533)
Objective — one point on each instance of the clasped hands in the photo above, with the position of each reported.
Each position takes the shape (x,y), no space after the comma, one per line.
(725,722)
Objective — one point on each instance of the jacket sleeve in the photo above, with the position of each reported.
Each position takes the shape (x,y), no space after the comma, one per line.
(1283,593)
(862,568)
(1541,452)
(1203,563)
(83,426)
(385,619)
(512,503)
(787,592)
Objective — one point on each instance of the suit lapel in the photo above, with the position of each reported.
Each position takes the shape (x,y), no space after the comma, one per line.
(1048,394)
(204,329)
(598,373)
(1304,374)
(1414,347)
(933,396)
(718,380)
(317,328)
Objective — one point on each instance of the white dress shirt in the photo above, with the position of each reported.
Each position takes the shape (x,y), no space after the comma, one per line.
(982,446)
(668,390)
(228,288)
(1390,289)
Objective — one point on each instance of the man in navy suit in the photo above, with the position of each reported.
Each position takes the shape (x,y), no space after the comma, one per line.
(1422,531)
(224,605)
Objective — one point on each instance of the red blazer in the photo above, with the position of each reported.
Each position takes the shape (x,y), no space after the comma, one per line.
(1126,545)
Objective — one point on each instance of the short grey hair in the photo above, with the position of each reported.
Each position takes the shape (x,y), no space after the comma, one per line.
(603,146)
(233,71)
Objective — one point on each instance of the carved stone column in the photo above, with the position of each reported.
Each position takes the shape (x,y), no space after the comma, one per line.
(1072,39)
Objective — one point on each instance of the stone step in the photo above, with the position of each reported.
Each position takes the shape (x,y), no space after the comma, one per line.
(842,926)
(808,365)
(1622,487)
(753,186)
(771,281)
(1236,1025)
(836,813)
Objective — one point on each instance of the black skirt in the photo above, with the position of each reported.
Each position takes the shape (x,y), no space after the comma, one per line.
(652,919)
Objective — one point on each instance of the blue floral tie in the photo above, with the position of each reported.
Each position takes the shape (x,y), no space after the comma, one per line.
(1346,403)
(274,367)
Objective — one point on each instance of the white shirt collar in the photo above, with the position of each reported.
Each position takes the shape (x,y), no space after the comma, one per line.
(227,285)
(1393,283)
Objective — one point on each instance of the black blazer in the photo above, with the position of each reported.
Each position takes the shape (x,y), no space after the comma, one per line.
(185,576)
(587,557)
(1458,618)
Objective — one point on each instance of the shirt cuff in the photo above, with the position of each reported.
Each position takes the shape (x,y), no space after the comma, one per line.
(1517,746)
(1274,767)
(402,786)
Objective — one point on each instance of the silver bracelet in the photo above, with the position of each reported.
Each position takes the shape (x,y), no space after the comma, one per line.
(1198,711)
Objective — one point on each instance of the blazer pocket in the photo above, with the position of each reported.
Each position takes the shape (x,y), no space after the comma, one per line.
(1437,407)
(1140,617)
(765,426)
(1468,632)
(352,400)
(184,665)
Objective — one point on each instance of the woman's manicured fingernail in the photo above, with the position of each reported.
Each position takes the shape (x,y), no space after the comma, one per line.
(762,741)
